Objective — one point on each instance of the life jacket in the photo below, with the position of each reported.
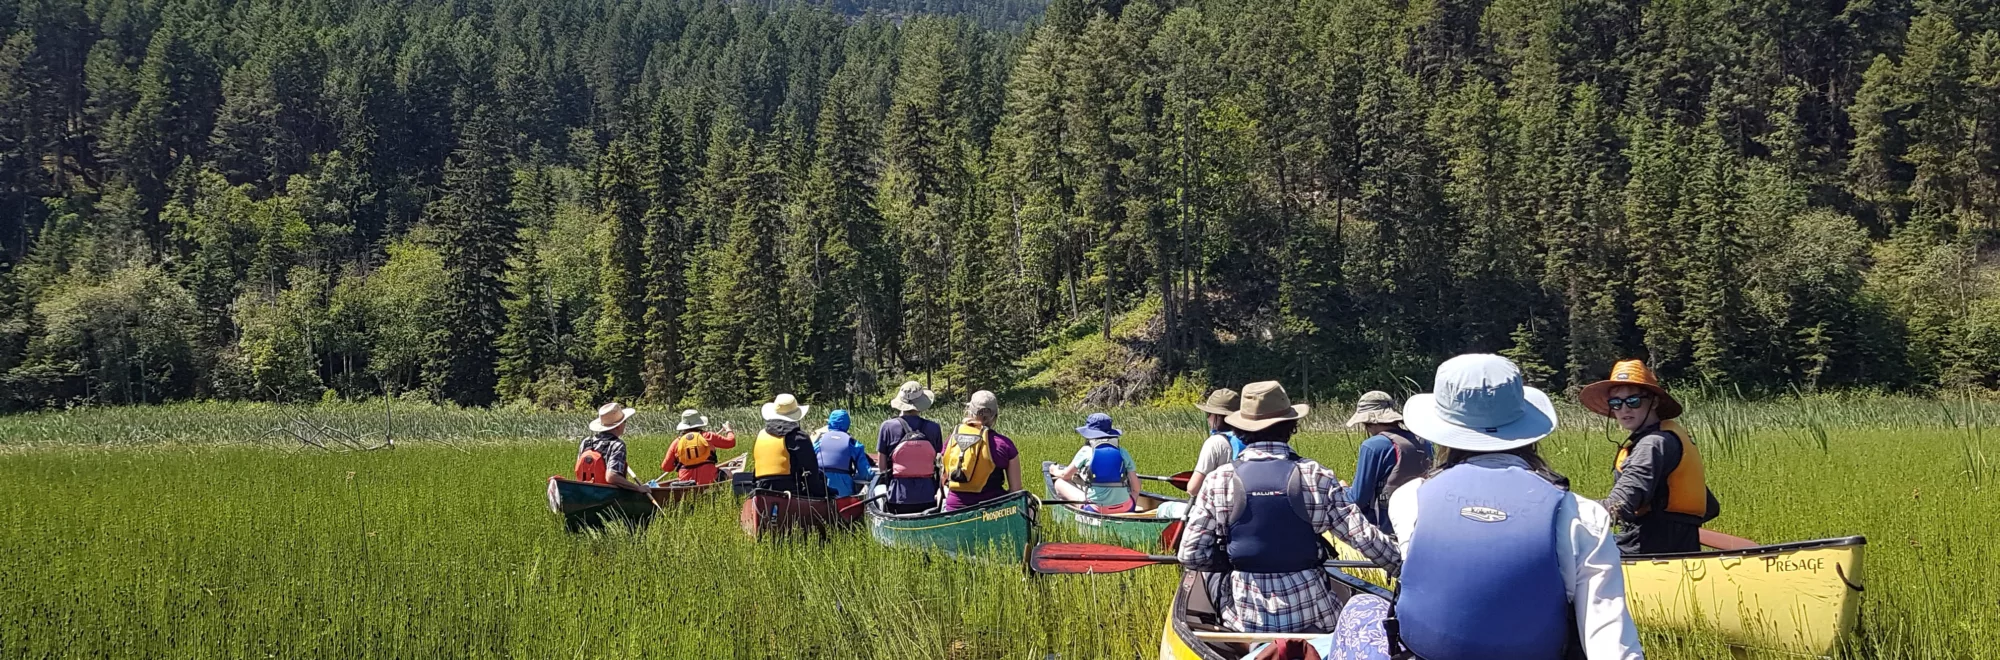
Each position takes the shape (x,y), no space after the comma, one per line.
(770,456)
(1107,466)
(836,451)
(914,457)
(1413,459)
(1482,580)
(1235,444)
(1687,486)
(1273,531)
(590,467)
(968,459)
(693,450)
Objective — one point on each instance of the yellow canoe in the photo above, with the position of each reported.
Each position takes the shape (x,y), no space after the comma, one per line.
(1194,626)
(1799,598)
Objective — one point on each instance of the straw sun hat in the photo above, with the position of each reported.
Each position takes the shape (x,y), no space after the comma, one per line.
(611,416)
(786,408)
(1596,396)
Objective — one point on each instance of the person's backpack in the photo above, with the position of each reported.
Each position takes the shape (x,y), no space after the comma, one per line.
(1107,465)
(968,459)
(693,450)
(1235,445)
(913,457)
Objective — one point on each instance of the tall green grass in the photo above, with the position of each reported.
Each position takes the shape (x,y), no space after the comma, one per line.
(189,545)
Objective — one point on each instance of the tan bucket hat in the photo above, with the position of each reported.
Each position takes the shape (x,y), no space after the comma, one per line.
(691,419)
(786,407)
(982,401)
(912,397)
(611,416)
(1266,404)
(1375,408)
(1224,401)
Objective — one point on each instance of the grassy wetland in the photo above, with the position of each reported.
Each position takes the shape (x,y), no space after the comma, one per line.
(196,532)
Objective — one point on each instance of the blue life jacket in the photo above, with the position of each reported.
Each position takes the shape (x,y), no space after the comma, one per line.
(1107,466)
(1273,531)
(1482,580)
(1236,444)
(836,452)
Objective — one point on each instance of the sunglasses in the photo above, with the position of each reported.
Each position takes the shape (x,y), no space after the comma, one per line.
(1627,402)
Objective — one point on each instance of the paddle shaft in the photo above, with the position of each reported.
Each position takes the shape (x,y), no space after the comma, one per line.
(1170,559)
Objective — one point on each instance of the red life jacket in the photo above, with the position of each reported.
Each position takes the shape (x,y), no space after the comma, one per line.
(590,467)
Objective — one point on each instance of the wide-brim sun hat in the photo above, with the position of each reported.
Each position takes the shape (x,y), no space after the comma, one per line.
(611,416)
(912,397)
(1098,427)
(1264,405)
(691,419)
(1221,402)
(1597,396)
(785,408)
(1375,408)
(1480,402)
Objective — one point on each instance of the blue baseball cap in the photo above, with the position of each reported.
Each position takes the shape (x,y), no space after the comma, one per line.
(1098,427)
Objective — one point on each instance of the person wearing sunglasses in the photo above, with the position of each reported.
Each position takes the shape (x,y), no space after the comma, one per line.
(1659,496)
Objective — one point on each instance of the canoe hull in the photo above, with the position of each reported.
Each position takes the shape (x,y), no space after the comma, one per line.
(1798,598)
(586,506)
(768,513)
(1125,530)
(1003,528)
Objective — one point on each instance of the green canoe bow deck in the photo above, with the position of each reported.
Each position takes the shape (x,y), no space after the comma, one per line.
(1003,528)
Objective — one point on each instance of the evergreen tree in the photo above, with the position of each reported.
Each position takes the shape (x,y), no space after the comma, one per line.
(621,293)
(475,237)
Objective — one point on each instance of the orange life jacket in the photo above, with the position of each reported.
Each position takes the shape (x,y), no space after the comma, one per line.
(693,450)
(1687,486)
(590,467)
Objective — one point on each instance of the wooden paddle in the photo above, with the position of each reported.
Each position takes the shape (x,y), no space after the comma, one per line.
(1178,480)
(1092,558)
(1721,541)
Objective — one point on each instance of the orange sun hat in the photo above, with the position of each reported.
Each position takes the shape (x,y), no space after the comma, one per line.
(1596,396)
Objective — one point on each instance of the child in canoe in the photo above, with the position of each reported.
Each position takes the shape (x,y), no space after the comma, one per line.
(1113,476)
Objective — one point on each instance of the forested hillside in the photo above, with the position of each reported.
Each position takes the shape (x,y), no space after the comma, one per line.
(696,200)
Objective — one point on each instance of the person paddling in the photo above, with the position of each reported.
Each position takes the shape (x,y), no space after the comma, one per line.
(980,464)
(1114,476)
(1500,560)
(692,455)
(909,446)
(1660,493)
(841,457)
(783,457)
(1223,443)
(1389,458)
(600,458)
(1259,521)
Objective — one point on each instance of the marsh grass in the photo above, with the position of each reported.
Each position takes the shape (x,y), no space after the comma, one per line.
(156,532)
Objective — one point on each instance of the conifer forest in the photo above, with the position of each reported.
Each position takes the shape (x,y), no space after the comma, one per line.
(554,202)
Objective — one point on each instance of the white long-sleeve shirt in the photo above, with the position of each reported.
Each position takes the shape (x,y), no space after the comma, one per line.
(1588,555)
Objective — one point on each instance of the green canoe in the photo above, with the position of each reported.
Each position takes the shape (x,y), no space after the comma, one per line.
(1003,528)
(1139,530)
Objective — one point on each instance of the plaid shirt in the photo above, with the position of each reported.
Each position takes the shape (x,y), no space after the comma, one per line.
(1280,602)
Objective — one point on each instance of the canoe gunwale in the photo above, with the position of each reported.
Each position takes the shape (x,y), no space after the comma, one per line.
(1816,544)
(875,508)
(1178,626)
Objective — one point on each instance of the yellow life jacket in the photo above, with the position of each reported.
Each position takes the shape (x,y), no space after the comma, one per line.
(1687,487)
(693,450)
(769,456)
(968,459)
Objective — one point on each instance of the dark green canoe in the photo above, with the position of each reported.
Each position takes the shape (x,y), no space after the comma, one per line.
(1003,528)
(1140,530)
(592,506)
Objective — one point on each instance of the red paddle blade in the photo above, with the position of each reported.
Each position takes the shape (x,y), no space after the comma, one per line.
(1181,480)
(1721,541)
(1170,538)
(1085,558)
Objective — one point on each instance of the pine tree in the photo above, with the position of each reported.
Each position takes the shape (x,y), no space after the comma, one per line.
(475,237)
(621,291)
(667,170)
